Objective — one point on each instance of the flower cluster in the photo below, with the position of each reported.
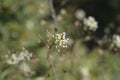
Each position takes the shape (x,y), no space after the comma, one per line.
(116,40)
(20,59)
(13,59)
(25,55)
(61,40)
(90,23)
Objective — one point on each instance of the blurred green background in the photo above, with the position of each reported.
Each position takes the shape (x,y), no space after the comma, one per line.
(21,21)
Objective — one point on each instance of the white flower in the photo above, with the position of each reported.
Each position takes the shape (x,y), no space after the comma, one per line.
(59,18)
(30,24)
(16,59)
(63,11)
(12,59)
(20,59)
(43,9)
(85,73)
(80,14)
(25,69)
(24,55)
(91,23)
(43,22)
(61,40)
(116,40)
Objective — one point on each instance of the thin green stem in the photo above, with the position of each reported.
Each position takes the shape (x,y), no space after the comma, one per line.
(53,13)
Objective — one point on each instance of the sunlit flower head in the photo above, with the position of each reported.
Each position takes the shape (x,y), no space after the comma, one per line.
(61,40)
(90,23)
(12,59)
(24,55)
(116,40)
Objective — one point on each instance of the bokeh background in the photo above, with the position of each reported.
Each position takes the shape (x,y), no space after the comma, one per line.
(89,56)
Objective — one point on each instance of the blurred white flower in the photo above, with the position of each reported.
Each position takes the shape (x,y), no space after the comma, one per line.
(30,24)
(16,59)
(63,11)
(80,14)
(116,40)
(24,55)
(85,73)
(43,9)
(25,69)
(71,41)
(12,59)
(43,22)
(59,18)
(40,78)
(77,23)
(90,23)
(61,40)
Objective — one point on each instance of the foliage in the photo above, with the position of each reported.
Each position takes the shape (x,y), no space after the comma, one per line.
(91,54)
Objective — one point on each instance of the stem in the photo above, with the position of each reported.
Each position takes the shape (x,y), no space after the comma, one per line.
(43,41)
(48,60)
(49,50)
(55,73)
(53,13)
(52,66)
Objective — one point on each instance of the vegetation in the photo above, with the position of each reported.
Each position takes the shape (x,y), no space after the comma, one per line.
(59,40)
